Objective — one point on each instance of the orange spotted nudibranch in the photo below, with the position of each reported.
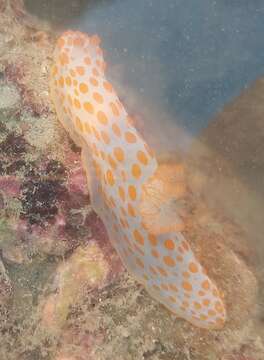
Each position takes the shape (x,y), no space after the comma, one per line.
(128,189)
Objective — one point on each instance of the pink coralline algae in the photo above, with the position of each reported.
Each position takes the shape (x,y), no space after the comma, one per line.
(10,185)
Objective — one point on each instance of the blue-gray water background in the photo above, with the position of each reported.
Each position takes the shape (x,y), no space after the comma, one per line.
(189,57)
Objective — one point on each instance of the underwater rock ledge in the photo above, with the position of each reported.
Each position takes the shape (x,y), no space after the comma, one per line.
(44,238)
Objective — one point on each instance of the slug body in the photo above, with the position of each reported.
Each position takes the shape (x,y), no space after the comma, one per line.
(119,165)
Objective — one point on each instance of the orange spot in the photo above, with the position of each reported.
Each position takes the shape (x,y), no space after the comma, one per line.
(61,43)
(114,109)
(130,137)
(215,293)
(169,244)
(119,154)
(211,312)
(219,321)
(95,40)
(136,171)
(142,157)
(88,107)
(116,130)
(162,271)
(80,70)
(79,124)
(197,305)
(95,151)
(78,41)
(87,60)
(105,137)
(64,59)
(93,81)
(98,169)
(203,317)
(152,239)
(107,86)
(138,237)
(102,118)
(54,70)
(98,98)
(75,82)
(219,307)
(132,192)
(169,261)
(179,258)
(187,286)
(110,178)
(201,293)
(77,103)
(69,41)
(61,81)
(111,161)
(193,267)
(206,285)
(174,288)
(96,133)
(131,210)
(206,302)
(83,88)
(121,193)
(68,81)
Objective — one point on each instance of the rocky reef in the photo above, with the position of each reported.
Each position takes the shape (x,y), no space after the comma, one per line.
(64,294)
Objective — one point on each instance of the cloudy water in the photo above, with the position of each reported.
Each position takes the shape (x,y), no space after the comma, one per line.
(187,57)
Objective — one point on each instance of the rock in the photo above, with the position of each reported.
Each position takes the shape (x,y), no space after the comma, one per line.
(90,307)
(5,286)
(226,169)
(9,98)
(9,186)
(85,270)
(229,163)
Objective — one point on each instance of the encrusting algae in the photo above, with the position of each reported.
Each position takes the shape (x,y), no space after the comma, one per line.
(133,195)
